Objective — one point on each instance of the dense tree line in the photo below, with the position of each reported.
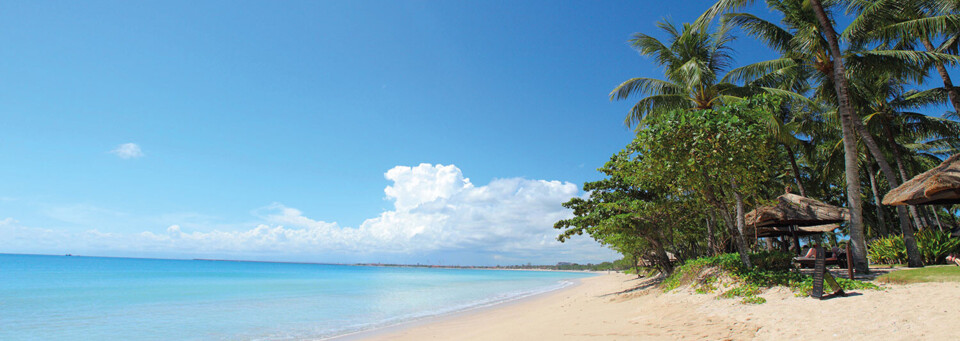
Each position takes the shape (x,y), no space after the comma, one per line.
(842,115)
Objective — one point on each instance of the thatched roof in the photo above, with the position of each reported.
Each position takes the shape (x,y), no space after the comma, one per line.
(761,232)
(792,209)
(940,185)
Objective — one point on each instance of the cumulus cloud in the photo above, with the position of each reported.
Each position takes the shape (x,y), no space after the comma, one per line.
(436,211)
(127,151)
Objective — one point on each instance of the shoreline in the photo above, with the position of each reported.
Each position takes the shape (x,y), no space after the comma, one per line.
(621,307)
(489,308)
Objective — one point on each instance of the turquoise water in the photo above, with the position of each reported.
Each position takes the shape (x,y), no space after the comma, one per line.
(91,298)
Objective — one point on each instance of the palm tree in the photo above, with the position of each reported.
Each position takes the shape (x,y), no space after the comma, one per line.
(809,48)
(692,60)
(906,22)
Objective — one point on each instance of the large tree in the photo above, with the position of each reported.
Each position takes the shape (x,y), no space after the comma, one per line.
(722,155)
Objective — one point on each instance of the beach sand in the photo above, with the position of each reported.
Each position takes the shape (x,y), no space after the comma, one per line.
(620,307)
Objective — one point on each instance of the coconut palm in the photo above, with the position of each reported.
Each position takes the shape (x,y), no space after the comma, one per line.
(908,22)
(809,48)
(692,60)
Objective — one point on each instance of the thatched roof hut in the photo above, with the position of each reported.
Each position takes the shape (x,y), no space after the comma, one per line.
(801,231)
(794,210)
(937,186)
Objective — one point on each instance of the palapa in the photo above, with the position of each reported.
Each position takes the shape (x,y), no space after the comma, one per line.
(800,231)
(937,186)
(794,210)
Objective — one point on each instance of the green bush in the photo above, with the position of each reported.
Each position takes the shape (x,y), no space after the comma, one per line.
(772,269)
(772,260)
(888,250)
(934,247)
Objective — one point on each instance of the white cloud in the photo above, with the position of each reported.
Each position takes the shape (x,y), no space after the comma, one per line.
(436,211)
(127,151)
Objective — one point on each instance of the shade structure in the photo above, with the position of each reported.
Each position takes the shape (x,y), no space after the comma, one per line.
(937,186)
(778,231)
(794,210)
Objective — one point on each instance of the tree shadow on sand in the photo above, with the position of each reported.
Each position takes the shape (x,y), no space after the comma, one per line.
(645,283)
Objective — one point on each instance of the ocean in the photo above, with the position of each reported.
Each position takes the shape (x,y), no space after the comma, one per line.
(94,298)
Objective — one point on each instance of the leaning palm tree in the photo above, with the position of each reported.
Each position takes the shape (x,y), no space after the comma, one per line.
(692,60)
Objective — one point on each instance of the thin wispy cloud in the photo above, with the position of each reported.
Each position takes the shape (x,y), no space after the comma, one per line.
(128,151)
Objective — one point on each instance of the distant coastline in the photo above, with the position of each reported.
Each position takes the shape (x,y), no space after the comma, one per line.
(559,267)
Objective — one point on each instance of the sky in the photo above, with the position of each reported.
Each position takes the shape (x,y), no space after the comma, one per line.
(433,132)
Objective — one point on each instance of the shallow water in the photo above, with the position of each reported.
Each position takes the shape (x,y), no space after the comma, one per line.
(91,298)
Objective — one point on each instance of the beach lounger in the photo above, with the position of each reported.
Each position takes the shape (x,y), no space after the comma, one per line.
(834,257)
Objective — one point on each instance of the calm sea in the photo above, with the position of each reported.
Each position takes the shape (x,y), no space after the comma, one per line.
(91,298)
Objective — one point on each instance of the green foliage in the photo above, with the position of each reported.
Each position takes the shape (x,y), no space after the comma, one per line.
(769,271)
(688,150)
(934,246)
(753,300)
(706,285)
(772,260)
(888,250)
(805,285)
(742,291)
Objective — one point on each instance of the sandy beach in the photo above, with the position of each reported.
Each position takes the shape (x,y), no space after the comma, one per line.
(621,307)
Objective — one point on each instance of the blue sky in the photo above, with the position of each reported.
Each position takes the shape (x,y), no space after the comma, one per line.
(290,114)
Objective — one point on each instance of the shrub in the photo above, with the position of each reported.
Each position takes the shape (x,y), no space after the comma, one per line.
(888,250)
(934,247)
(772,260)
(772,269)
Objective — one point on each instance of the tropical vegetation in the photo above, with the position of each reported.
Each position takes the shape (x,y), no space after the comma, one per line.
(846,111)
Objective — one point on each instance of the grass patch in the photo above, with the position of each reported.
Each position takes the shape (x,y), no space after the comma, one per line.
(941,273)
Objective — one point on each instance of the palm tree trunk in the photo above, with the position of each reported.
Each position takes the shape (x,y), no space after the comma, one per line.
(947,83)
(898,158)
(913,252)
(933,209)
(796,170)
(852,173)
(881,221)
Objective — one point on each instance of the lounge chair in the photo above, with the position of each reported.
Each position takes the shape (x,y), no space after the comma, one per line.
(833,257)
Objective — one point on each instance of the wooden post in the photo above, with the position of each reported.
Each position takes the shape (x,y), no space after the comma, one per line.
(849,262)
